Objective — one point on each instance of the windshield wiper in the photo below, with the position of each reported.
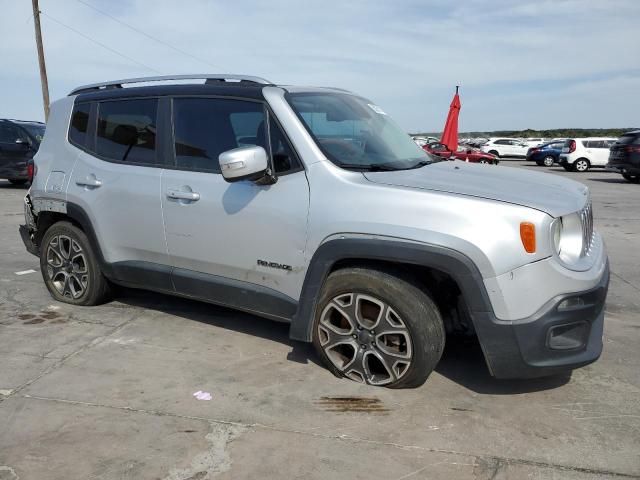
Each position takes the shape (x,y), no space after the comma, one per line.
(369,167)
(420,164)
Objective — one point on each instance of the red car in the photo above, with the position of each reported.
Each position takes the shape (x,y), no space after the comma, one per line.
(464,153)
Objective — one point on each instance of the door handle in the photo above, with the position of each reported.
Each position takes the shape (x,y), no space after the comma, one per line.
(91,182)
(178,195)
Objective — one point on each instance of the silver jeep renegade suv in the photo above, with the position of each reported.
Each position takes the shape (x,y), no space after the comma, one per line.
(311,206)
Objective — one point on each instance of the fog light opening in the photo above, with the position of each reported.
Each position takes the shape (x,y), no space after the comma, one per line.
(571,304)
(570,336)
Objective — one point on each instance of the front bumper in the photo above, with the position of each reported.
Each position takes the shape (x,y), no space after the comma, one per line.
(29,244)
(566,333)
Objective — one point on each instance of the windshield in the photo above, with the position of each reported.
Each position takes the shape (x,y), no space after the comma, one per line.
(36,131)
(354,133)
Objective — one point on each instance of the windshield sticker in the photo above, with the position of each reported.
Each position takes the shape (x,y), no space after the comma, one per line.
(376,109)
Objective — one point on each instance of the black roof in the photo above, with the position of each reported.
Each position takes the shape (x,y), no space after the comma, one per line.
(253,91)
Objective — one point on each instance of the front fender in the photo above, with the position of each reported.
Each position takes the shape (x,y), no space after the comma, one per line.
(456,264)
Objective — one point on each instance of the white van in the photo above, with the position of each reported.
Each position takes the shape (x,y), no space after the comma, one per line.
(581,154)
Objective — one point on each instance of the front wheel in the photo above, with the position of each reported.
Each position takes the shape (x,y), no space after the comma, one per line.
(377,328)
(69,266)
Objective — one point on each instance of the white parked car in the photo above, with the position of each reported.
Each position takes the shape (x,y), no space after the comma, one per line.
(581,154)
(422,141)
(534,142)
(505,147)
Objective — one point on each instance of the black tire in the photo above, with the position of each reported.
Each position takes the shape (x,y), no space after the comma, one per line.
(69,267)
(581,165)
(495,153)
(412,311)
(17,181)
(548,161)
(631,178)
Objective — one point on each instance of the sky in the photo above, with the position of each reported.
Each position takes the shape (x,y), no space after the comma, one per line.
(520,63)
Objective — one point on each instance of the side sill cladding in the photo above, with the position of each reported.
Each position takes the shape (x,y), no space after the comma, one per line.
(452,262)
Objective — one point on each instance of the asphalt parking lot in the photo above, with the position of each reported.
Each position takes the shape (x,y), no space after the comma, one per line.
(107,392)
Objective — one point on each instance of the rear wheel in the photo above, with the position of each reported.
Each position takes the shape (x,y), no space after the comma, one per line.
(548,161)
(581,165)
(376,328)
(69,266)
(631,178)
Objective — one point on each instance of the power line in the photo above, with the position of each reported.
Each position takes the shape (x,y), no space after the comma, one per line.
(100,44)
(155,39)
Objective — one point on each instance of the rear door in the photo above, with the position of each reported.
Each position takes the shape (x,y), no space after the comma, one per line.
(116,181)
(228,238)
(598,152)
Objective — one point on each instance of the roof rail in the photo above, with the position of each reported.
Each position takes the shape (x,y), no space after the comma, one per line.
(209,78)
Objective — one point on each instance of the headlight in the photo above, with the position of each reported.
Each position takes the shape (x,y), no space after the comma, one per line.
(568,238)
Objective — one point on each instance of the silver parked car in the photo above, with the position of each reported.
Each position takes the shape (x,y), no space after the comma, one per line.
(311,206)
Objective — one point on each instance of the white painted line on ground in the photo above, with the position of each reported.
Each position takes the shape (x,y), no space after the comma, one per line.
(24,272)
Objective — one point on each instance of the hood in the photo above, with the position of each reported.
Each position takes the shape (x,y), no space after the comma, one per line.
(548,193)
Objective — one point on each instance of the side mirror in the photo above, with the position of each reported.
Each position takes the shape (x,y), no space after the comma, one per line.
(244,163)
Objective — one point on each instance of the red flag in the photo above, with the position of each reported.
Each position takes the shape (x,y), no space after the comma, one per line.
(450,133)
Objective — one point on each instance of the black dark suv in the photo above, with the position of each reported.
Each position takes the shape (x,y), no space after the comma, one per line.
(624,156)
(19,141)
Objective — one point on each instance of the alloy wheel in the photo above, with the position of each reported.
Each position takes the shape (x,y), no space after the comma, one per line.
(548,161)
(364,338)
(582,165)
(67,266)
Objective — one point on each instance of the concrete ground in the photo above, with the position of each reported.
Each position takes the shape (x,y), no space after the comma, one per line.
(107,392)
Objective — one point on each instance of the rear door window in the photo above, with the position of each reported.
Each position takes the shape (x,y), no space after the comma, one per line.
(127,131)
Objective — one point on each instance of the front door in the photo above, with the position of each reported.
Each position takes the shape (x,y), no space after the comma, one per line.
(228,238)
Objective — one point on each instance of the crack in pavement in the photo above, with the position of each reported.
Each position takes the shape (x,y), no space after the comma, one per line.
(625,281)
(62,360)
(494,460)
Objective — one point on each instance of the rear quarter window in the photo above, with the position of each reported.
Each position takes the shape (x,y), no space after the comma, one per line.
(79,124)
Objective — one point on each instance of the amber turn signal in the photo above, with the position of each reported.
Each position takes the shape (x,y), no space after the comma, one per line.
(528,236)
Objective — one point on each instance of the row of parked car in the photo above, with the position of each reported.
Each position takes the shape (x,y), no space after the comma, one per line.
(581,154)
(573,154)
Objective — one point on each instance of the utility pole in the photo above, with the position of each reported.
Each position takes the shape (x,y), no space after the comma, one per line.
(43,67)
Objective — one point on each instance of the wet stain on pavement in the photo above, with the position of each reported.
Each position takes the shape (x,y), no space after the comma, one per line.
(352,404)
(35,321)
(41,317)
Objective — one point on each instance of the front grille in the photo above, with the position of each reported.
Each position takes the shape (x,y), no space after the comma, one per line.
(586,217)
